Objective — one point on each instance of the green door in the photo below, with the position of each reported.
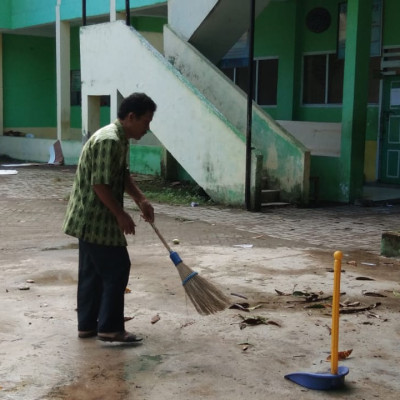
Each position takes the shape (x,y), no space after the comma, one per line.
(390,133)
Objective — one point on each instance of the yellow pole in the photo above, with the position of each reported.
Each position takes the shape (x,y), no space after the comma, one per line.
(335,312)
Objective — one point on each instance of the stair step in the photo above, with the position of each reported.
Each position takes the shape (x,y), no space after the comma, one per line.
(269,196)
(275,204)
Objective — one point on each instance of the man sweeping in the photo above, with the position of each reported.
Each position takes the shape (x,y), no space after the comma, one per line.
(96,216)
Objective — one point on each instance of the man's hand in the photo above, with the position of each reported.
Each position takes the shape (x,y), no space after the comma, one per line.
(125,223)
(124,220)
(147,211)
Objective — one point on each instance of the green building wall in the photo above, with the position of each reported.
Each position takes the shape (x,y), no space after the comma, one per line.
(29,81)
(29,71)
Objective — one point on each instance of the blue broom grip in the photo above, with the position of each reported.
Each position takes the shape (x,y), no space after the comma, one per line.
(189,277)
(174,256)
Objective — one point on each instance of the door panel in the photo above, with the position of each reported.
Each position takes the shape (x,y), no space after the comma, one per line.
(390,134)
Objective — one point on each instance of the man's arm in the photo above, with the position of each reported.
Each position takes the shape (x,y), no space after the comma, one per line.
(140,199)
(125,221)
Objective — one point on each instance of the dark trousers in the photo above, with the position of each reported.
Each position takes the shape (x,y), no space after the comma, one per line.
(103,276)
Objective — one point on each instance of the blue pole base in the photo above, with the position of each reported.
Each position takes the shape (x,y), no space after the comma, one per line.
(320,381)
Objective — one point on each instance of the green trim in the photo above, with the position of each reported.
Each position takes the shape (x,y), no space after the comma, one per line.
(145,159)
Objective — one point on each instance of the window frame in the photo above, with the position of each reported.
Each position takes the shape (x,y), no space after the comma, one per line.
(256,62)
(327,53)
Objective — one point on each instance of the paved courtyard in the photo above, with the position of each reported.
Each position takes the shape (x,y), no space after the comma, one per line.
(263,257)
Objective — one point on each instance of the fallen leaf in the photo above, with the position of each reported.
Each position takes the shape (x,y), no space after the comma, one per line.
(155,319)
(127,290)
(281,293)
(239,295)
(257,320)
(329,329)
(255,307)
(352,263)
(319,305)
(299,293)
(240,306)
(187,324)
(364,278)
(274,323)
(397,294)
(350,310)
(347,303)
(372,294)
(342,355)
(128,318)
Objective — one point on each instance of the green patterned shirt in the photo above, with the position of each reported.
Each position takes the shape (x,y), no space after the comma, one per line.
(102,161)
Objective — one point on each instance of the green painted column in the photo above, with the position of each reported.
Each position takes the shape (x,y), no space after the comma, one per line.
(1,85)
(355,96)
(289,74)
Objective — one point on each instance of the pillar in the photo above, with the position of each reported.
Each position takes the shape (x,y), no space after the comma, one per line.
(1,86)
(63,75)
(355,99)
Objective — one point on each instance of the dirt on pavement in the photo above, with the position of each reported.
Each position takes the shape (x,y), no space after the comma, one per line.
(286,284)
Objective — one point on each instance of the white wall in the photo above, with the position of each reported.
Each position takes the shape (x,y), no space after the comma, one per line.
(37,150)
(321,138)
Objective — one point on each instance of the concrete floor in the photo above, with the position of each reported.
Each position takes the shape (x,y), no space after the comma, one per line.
(184,355)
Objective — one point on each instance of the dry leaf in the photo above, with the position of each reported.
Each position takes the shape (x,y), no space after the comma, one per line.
(373,294)
(127,290)
(318,305)
(342,355)
(239,295)
(155,319)
(240,306)
(187,324)
(349,310)
(352,263)
(364,278)
(244,307)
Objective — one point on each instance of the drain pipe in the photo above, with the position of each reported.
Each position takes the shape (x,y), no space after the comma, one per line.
(249,108)
(128,12)
(83,12)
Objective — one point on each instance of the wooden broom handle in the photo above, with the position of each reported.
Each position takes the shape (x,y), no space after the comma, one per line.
(161,237)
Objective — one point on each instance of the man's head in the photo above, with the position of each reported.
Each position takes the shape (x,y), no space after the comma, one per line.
(135,113)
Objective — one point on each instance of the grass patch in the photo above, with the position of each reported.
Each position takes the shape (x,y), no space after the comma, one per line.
(158,190)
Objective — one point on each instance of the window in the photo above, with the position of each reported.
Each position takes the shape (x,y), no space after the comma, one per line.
(323,76)
(265,79)
(75,83)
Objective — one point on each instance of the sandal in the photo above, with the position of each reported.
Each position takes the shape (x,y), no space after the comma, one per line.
(87,334)
(123,337)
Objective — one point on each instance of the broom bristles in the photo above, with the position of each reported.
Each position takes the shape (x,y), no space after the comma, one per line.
(206,298)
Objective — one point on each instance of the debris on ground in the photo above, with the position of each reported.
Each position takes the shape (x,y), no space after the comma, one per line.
(155,319)
(256,320)
(342,355)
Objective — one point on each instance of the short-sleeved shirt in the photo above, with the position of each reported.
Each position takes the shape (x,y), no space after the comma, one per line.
(102,161)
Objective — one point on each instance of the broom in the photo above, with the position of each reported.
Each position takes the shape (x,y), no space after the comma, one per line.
(206,298)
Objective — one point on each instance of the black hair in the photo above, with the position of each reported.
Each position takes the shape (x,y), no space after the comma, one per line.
(138,103)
